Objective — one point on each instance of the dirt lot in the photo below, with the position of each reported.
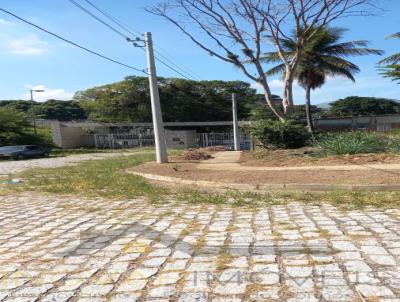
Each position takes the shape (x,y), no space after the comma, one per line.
(187,170)
(310,157)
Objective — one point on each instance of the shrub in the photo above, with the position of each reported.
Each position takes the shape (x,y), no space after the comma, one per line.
(276,134)
(394,143)
(352,143)
(12,125)
(15,129)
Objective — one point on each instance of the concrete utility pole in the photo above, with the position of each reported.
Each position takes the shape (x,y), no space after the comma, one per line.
(236,141)
(33,108)
(158,125)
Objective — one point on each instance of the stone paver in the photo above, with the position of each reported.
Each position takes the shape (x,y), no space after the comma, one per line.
(13,166)
(52,249)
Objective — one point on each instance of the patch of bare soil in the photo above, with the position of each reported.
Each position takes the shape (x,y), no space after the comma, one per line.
(197,155)
(189,171)
(311,157)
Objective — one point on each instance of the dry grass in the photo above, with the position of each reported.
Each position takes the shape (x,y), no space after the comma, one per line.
(105,179)
(313,157)
(224,258)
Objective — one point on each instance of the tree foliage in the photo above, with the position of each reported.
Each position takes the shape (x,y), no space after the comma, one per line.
(18,105)
(236,31)
(298,113)
(323,55)
(12,125)
(363,106)
(60,110)
(49,110)
(274,134)
(181,100)
(391,64)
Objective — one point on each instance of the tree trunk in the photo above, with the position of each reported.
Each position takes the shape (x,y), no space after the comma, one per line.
(310,126)
(271,106)
(270,102)
(287,101)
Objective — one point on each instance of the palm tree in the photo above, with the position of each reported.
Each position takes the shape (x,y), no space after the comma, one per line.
(323,56)
(392,63)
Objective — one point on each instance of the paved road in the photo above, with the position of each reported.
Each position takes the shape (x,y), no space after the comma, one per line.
(13,166)
(67,249)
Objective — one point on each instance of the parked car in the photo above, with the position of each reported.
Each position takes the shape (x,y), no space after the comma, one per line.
(21,152)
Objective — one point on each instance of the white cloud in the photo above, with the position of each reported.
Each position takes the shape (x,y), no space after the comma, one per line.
(256,86)
(49,93)
(276,84)
(30,45)
(4,22)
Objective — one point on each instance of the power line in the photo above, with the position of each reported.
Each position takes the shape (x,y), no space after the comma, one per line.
(135,34)
(172,68)
(98,19)
(115,20)
(174,64)
(71,42)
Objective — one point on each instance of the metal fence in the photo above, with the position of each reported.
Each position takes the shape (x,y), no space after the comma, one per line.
(224,139)
(128,140)
(118,141)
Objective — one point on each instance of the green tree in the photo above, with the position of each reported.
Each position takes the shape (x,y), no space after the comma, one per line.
(13,124)
(181,100)
(363,106)
(50,110)
(260,112)
(19,105)
(391,68)
(60,110)
(324,55)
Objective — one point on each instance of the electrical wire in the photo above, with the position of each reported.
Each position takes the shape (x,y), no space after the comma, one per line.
(115,20)
(135,33)
(71,42)
(98,19)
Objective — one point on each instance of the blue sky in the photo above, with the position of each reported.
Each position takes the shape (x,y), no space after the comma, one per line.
(30,58)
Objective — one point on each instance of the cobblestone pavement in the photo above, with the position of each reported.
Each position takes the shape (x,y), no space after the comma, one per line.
(13,166)
(66,249)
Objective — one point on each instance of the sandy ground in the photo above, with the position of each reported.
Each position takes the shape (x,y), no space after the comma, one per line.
(238,167)
(14,166)
(301,157)
(190,171)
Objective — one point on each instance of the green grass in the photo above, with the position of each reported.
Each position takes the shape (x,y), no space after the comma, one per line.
(105,179)
(394,143)
(345,200)
(95,178)
(57,152)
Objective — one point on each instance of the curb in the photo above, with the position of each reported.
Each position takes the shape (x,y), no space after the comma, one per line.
(267,187)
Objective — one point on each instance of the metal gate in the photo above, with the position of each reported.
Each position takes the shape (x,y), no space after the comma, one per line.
(224,139)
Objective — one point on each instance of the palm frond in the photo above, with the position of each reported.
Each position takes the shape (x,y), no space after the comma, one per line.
(353,48)
(279,69)
(391,71)
(343,72)
(393,59)
(323,54)
(273,57)
(394,36)
(339,62)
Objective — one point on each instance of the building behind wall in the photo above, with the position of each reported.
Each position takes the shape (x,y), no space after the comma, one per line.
(183,135)
(178,135)
(370,123)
